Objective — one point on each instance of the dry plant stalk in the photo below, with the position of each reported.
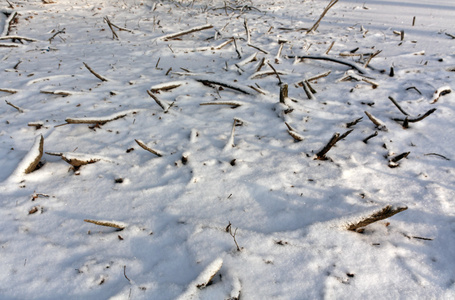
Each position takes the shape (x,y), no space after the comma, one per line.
(16,37)
(223,84)
(39,145)
(376,122)
(95,120)
(145,147)
(106,223)
(361,70)
(114,35)
(283,93)
(295,135)
(386,212)
(158,101)
(321,154)
(191,30)
(94,73)
(76,160)
(16,107)
(318,76)
(316,25)
(233,104)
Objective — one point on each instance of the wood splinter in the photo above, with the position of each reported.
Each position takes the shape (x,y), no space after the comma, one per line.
(384,213)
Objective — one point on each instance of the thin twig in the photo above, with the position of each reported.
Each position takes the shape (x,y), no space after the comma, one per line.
(145,147)
(191,30)
(16,107)
(94,73)
(106,223)
(55,34)
(386,212)
(321,154)
(316,25)
(370,137)
(276,73)
(398,106)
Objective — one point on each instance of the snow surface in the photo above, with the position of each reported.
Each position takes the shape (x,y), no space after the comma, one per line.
(289,209)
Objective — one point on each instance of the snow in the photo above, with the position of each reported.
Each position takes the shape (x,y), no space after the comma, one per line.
(227,164)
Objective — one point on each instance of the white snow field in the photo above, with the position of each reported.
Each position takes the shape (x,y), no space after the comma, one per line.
(195,182)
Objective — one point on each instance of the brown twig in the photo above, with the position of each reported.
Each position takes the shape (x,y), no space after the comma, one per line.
(316,25)
(94,73)
(398,106)
(350,124)
(386,212)
(145,147)
(191,30)
(321,154)
(106,223)
(276,73)
(370,137)
(16,107)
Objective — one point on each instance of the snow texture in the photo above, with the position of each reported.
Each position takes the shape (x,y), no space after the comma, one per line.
(229,175)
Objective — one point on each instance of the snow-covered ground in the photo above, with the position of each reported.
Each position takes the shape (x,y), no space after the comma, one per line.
(231,204)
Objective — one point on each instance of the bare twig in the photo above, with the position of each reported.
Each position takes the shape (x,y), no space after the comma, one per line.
(307,89)
(318,76)
(370,137)
(316,25)
(165,107)
(224,84)
(417,119)
(98,120)
(350,124)
(94,73)
(276,73)
(145,147)
(321,154)
(233,104)
(16,37)
(330,48)
(191,30)
(376,122)
(106,223)
(398,106)
(124,273)
(16,107)
(361,70)
(248,36)
(371,57)
(384,213)
(393,162)
(435,154)
(55,34)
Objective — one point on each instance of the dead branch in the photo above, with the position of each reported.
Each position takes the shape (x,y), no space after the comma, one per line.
(398,106)
(55,34)
(370,137)
(439,155)
(295,135)
(16,37)
(165,107)
(440,92)
(393,162)
(417,119)
(94,73)
(191,30)
(145,147)
(248,36)
(318,76)
(224,84)
(361,70)
(321,154)
(107,223)
(283,93)
(316,25)
(384,213)
(371,57)
(276,73)
(344,135)
(376,121)
(98,120)
(257,48)
(114,35)
(233,104)
(33,157)
(307,90)
(350,124)
(16,107)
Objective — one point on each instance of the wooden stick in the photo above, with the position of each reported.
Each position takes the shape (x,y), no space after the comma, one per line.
(16,37)
(106,223)
(161,104)
(350,124)
(145,147)
(224,84)
(344,135)
(98,120)
(384,213)
(257,48)
(276,73)
(371,57)
(321,154)
(398,106)
(316,25)
(16,107)
(376,122)
(370,137)
(191,30)
(361,70)
(393,162)
(94,73)
(330,48)
(114,35)
(307,90)
(318,76)
(233,104)
(417,119)
(283,93)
